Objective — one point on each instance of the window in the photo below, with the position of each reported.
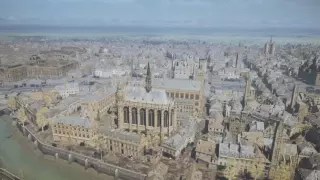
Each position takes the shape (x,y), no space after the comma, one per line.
(134,116)
(181,95)
(172,95)
(151,118)
(88,136)
(166,119)
(158,118)
(197,97)
(191,96)
(126,114)
(197,104)
(187,96)
(143,117)
(177,95)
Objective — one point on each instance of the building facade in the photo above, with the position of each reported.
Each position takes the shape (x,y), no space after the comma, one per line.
(72,130)
(187,95)
(146,109)
(68,89)
(37,68)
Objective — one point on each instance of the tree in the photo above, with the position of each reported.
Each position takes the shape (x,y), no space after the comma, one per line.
(21,115)
(245,175)
(98,143)
(47,99)
(41,118)
(12,104)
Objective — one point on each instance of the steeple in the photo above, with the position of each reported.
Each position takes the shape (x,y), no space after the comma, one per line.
(148,79)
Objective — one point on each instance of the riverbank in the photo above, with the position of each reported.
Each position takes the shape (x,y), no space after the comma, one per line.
(19,155)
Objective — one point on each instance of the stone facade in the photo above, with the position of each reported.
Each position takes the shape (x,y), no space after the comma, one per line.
(67,131)
(37,69)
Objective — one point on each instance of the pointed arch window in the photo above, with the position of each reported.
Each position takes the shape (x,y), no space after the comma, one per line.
(158,118)
(134,116)
(126,114)
(142,117)
(166,119)
(151,117)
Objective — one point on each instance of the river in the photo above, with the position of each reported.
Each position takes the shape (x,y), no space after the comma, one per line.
(20,157)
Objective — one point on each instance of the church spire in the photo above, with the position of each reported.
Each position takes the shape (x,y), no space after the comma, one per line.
(148,79)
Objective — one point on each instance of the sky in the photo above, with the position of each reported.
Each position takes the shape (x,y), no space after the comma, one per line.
(212,13)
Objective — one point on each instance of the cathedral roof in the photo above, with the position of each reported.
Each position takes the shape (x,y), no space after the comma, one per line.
(139,94)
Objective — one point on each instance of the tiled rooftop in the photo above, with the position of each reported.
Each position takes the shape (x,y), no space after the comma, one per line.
(73,120)
(236,151)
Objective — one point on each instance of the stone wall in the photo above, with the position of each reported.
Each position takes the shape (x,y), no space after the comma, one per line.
(86,161)
(6,175)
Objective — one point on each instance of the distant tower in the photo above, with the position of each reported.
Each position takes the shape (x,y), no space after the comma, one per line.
(272,47)
(247,94)
(131,67)
(172,69)
(237,58)
(266,48)
(276,146)
(148,79)
(294,97)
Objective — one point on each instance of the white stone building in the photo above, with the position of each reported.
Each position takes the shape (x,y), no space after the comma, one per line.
(177,142)
(68,89)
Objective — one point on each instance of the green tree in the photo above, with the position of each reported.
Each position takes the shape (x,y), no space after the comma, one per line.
(21,115)
(41,118)
(245,175)
(98,143)
(12,104)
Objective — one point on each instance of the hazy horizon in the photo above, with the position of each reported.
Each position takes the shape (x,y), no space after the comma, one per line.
(178,13)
